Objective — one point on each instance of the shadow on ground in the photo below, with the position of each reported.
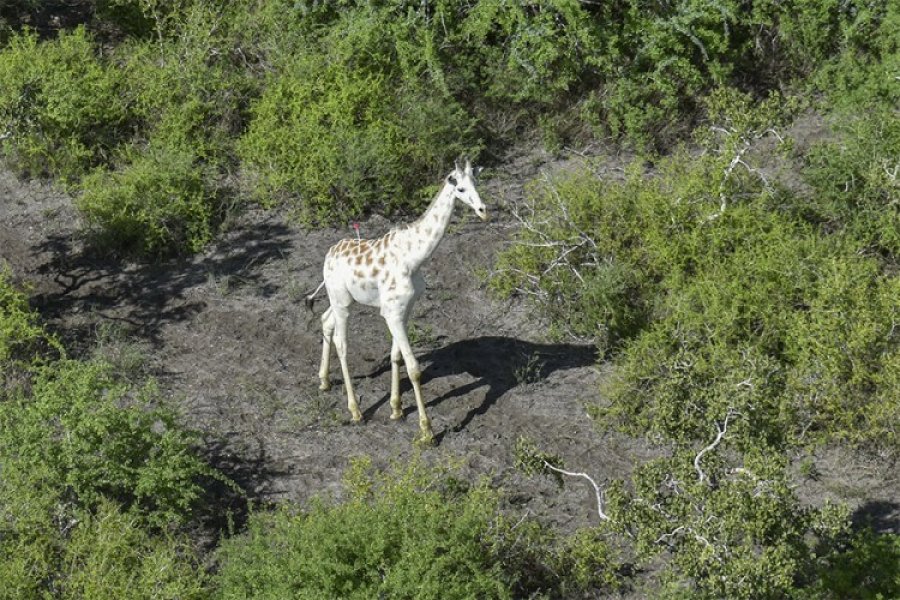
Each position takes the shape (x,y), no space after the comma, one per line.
(243,483)
(145,297)
(498,363)
(881,515)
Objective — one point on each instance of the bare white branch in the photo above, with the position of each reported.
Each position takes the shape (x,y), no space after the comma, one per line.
(722,430)
(597,490)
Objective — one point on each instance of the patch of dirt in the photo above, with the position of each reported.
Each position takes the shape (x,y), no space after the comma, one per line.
(228,337)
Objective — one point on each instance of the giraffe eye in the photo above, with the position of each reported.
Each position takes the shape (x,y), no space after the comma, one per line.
(460,189)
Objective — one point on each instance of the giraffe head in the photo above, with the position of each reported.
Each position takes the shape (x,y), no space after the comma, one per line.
(462,179)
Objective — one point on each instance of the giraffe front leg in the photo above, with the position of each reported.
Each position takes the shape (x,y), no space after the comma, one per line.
(327,335)
(398,330)
(396,406)
(340,344)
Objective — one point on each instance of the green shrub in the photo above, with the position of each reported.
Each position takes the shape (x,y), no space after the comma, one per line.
(93,473)
(843,353)
(49,550)
(788,329)
(569,265)
(81,436)
(740,532)
(725,523)
(861,74)
(715,307)
(343,126)
(593,254)
(23,340)
(412,532)
(159,203)
(526,53)
(855,179)
(108,555)
(395,537)
(185,92)
(863,565)
(60,103)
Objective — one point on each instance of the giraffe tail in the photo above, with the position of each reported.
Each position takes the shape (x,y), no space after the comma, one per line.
(311,299)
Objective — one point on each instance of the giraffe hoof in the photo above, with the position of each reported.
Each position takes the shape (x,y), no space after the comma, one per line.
(426,437)
(396,414)
(356,417)
(325,386)
(424,440)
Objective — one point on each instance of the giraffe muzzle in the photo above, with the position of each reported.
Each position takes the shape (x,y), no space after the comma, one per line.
(484,216)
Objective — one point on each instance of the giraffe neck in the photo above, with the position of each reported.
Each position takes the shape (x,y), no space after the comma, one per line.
(419,241)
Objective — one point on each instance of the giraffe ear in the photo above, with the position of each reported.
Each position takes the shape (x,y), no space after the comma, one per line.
(451,180)
(456,165)
(468,167)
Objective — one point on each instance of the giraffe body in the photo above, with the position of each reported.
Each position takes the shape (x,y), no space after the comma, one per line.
(384,273)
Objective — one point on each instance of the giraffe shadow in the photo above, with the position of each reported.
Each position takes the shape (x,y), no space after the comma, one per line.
(497,363)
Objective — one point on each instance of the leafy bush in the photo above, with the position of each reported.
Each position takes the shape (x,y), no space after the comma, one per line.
(83,438)
(716,308)
(726,523)
(863,565)
(596,254)
(855,179)
(160,202)
(87,482)
(108,555)
(793,334)
(60,104)
(526,53)
(185,93)
(860,75)
(738,532)
(23,340)
(346,126)
(565,258)
(58,552)
(92,474)
(399,538)
(412,532)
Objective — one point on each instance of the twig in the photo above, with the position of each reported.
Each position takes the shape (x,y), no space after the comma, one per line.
(722,430)
(597,491)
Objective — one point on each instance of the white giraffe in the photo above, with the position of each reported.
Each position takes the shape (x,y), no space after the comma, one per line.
(384,273)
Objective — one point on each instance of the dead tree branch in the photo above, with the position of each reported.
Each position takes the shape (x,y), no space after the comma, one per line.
(722,430)
(597,490)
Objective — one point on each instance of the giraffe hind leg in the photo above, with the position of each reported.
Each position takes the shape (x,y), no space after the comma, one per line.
(327,337)
(396,406)
(340,345)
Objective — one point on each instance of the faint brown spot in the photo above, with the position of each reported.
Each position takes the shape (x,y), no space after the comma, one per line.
(359,259)
(359,274)
(381,260)
(375,271)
